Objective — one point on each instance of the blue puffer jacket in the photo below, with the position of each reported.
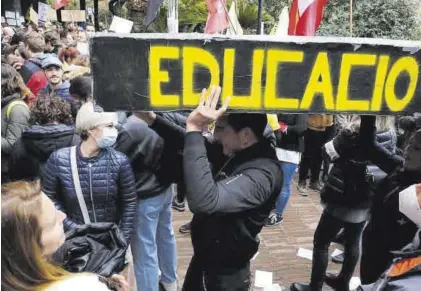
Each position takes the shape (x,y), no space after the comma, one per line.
(107,183)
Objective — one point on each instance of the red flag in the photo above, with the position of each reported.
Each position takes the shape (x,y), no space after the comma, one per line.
(217,16)
(60,3)
(305,16)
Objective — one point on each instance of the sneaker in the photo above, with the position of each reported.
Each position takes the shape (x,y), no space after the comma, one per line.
(273,219)
(316,186)
(179,206)
(302,188)
(185,228)
(338,259)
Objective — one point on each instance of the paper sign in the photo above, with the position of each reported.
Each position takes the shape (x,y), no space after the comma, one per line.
(121,25)
(261,73)
(304,253)
(73,16)
(354,283)
(43,12)
(83,48)
(10,14)
(33,16)
(263,279)
(52,14)
(90,11)
(12,21)
(336,252)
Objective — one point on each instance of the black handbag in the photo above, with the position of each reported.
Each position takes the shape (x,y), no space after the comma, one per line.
(98,248)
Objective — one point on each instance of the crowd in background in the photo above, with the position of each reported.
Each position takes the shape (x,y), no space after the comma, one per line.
(125,161)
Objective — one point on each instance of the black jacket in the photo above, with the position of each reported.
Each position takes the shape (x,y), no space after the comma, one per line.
(33,149)
(401,275)
(143,147)
(293,139)
(388,228)
(348,181)
(107,183)
(230,198)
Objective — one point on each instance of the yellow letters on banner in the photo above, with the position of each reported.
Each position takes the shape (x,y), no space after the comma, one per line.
(410,65)
(321,70)
(319,85)
(253,101)
(349,61)
(157,76)
(274,58)
(191,57)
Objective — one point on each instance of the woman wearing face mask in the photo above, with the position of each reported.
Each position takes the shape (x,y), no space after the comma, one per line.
(106,178)
(25,254)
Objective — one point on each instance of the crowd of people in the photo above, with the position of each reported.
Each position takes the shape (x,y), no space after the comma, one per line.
(67,163)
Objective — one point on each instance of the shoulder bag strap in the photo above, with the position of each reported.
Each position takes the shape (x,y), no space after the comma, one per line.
(78,189)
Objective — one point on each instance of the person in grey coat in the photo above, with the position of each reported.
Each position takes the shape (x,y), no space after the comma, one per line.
(14,113)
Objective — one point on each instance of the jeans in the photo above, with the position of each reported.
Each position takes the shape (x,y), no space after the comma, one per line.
(288,169)
(327,229)
(200,278)
(153,243)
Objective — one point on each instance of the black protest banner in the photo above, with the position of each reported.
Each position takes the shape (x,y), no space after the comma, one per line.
(261,74)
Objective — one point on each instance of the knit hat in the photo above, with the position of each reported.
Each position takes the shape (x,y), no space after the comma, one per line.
(87,118)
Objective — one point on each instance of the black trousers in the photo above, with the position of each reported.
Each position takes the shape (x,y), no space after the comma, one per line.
(327,229)
(199,278)
(181,192)
(312,159)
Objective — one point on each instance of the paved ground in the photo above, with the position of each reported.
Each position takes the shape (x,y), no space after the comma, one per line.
(279,244)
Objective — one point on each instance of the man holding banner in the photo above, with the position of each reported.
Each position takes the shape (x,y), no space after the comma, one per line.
(231,187)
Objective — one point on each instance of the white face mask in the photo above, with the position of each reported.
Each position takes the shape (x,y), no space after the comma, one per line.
(109,137)
(409,206)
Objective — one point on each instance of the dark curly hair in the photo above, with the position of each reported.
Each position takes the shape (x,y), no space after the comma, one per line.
(48,110)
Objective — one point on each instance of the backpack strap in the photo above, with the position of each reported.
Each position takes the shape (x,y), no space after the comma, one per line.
(13,104)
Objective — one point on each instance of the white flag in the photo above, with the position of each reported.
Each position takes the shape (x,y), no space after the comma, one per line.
(282,27)
(234,26)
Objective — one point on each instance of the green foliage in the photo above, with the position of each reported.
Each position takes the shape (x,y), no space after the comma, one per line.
(396,19)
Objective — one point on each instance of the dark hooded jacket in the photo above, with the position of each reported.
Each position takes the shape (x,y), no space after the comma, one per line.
(231,198)
(143,147)
(33,149)
(388,228)
(405,271)
(12,126)
(33,74)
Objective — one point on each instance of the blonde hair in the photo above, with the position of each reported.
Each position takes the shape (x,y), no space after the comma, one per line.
(385,123)
(23,266)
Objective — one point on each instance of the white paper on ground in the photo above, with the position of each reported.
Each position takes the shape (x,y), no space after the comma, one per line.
(305,253)
(336,252)
(263,279)
(354,283)
(274,287)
